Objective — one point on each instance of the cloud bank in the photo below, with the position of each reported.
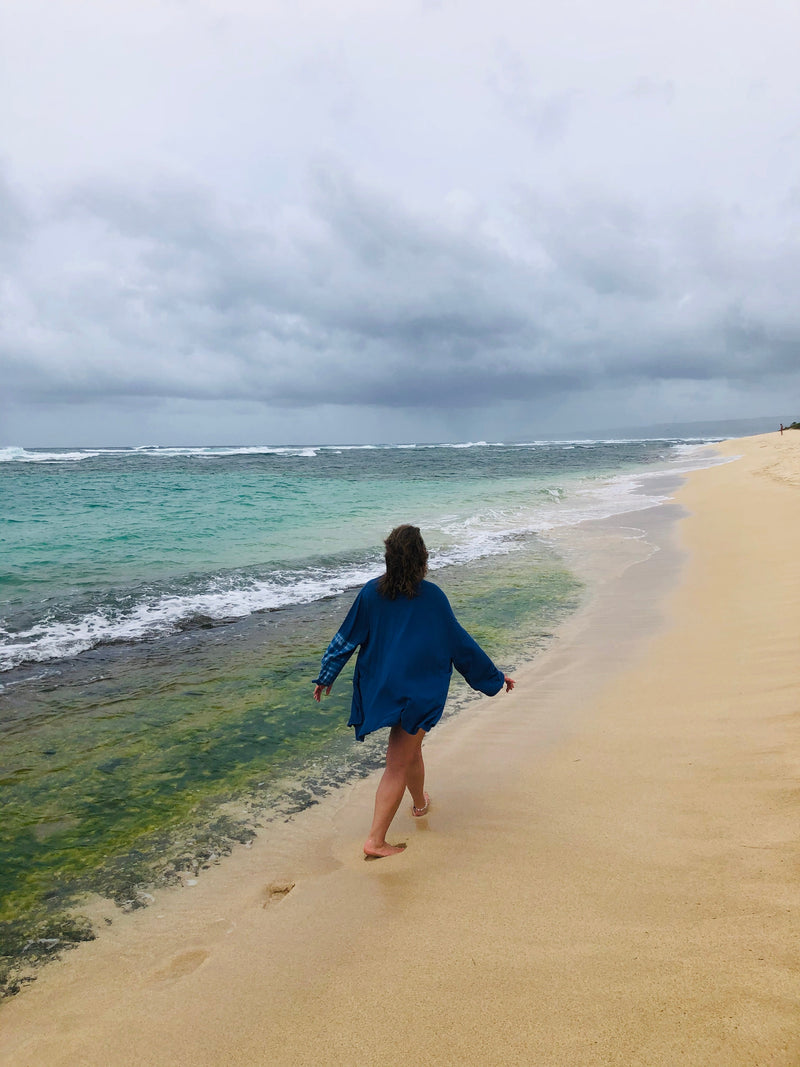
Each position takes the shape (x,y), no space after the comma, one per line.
(553,269)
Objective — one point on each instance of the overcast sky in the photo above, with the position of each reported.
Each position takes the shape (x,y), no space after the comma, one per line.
(249,221)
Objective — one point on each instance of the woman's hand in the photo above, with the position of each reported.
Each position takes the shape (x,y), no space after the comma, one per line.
(509,682)
(320,689)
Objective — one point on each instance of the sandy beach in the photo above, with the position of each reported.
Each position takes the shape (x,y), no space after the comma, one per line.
(608,875)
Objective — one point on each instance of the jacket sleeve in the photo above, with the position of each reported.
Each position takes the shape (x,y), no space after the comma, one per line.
(471,661)
(352,633)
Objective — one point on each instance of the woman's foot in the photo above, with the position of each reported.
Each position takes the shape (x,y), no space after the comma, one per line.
(419,812)
(376,852)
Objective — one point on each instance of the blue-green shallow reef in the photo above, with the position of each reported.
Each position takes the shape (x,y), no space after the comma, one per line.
(141,762)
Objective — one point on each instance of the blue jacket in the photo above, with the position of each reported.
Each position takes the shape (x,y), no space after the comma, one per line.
(408,648)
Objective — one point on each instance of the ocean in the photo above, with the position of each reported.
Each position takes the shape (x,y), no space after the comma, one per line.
(164,610)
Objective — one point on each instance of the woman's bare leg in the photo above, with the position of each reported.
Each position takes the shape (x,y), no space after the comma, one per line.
(415,779)
(404,768)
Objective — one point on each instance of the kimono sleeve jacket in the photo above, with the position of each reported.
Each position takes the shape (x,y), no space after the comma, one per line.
(407,650)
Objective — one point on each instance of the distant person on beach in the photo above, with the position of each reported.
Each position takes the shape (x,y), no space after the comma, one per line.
(409,640)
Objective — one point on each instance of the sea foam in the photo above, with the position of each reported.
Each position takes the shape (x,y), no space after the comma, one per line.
(501,524)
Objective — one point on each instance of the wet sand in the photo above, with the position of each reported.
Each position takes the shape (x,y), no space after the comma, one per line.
(608,875)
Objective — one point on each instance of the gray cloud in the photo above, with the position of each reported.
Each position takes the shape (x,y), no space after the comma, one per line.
(545,115)
(653,90)
(438,215)
(15,221)
(163,291)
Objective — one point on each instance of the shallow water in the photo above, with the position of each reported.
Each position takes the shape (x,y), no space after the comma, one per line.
(132,742)
(130,545)
(161,634)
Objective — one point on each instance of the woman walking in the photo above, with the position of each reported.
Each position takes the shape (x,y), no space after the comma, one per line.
(409,640)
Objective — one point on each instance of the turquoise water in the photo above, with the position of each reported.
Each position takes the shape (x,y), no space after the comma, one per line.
(162,613)
(128,545)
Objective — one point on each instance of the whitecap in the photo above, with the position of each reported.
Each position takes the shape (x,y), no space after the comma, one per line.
(15,454)
(489,530)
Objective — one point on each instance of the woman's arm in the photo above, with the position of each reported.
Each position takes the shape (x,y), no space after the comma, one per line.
(471,661)
(352,633)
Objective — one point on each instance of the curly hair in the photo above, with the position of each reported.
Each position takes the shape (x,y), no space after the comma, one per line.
(406,563)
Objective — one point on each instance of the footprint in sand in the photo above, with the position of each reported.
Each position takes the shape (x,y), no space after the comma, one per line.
(182,964)
(275,892)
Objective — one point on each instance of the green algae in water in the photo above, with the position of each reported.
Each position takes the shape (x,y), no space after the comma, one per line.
(119,777)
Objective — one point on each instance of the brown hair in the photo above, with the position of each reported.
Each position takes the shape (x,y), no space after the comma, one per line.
(406,563)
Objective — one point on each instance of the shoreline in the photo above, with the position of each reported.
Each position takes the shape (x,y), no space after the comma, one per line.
(598,905)
(299,776)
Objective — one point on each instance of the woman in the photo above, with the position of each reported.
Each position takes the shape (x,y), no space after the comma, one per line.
(409,642)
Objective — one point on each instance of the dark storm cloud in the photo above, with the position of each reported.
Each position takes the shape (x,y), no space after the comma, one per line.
(396,208)
(355,299)
(603,243)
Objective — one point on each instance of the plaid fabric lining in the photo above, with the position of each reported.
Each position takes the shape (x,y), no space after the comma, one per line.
(336,655)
